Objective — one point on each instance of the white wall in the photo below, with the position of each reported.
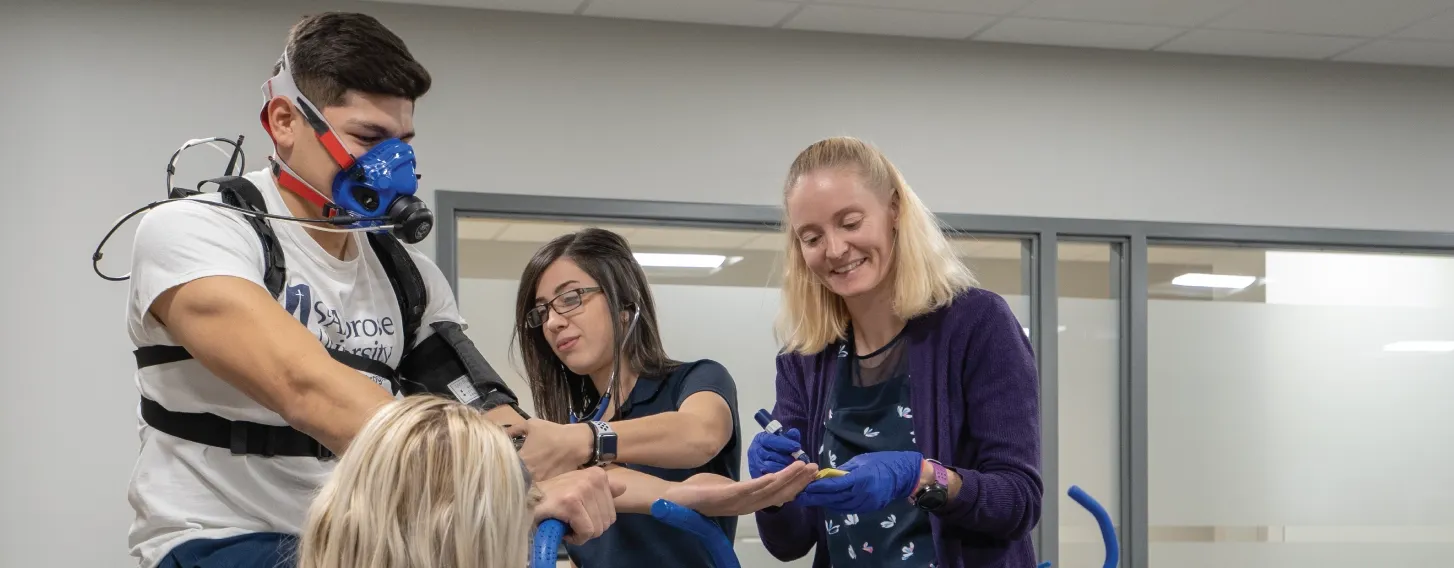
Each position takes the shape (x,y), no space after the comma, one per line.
(98,94)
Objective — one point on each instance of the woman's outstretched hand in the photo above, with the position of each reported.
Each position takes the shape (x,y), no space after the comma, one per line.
(873,481)
(716,496)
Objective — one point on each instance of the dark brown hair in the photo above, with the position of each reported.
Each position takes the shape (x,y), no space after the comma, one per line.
(336,52)
(607,258)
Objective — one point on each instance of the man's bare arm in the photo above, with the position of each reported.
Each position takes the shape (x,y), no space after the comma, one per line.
(239,333)
(505,415)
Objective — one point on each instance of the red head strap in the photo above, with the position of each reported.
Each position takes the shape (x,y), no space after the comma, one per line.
(282,85)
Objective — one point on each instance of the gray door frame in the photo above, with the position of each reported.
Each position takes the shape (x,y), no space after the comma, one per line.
(1041,236)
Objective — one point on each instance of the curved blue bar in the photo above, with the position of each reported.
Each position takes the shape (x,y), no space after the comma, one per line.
(691,521)
(1108,530)
(545,548)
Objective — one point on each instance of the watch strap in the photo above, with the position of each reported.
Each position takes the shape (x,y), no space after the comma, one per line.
(595,445)
(604,450)
(941,473)
(939,484)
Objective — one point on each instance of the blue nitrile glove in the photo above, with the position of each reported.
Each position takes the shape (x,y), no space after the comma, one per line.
(771,453)
(874,480)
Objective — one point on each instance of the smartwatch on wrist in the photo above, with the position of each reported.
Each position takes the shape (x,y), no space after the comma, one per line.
(936,494)
(604,451)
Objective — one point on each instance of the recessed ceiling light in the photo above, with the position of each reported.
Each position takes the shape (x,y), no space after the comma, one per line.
(670,260)
(1224,281)
(1420,346)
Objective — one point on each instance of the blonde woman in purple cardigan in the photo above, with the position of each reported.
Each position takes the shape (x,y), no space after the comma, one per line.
(899,371)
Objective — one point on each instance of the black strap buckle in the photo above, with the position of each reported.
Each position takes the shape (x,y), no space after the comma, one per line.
(251,438)
(238,436)
(243,432)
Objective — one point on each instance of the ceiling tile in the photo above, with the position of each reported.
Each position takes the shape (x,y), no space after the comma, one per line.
(1403,52)
(1078,34)
(1190,255)
(547,6)
(719,241)
(1084,251)
(536,231)
(854,19)
(996,7)
(987,248)
(1260,44)
(1363,18)
(1437,27)
(770,242)
(480,229)
(1184,13)
(762,13)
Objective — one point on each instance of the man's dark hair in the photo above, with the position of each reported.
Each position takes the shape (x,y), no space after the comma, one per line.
(336,52)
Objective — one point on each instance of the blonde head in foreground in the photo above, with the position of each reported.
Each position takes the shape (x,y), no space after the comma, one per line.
(427,483)
(855,230)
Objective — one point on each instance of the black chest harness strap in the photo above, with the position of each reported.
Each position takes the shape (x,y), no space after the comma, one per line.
(447,363)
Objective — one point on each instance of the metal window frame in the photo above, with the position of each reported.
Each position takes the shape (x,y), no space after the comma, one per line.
(1041,235)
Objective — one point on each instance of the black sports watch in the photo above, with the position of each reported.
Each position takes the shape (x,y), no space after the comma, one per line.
(605,449)
(936,493)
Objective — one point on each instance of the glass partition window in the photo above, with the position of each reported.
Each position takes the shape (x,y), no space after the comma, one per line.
(1089,383)
(1001,266)
(1299,409)
(1296,400)
(716,293)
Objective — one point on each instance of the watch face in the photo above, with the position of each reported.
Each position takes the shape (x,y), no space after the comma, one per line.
(608,447)
(932,499)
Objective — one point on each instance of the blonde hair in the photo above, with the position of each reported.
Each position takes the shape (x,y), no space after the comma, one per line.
(427,483)
(927,274)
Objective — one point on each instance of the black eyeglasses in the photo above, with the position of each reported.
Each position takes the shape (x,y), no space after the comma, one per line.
(564,303)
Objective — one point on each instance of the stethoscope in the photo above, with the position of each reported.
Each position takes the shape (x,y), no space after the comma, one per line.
(611,385)
(615,381)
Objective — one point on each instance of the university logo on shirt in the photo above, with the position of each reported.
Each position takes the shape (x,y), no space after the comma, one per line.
(299,301)
(371,336)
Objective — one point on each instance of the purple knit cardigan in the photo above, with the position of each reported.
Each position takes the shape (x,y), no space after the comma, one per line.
(975,394)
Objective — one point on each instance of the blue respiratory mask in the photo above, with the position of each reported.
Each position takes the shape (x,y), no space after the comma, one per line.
(379,189)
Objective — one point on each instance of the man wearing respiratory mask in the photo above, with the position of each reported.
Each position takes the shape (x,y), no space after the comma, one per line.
(263,345)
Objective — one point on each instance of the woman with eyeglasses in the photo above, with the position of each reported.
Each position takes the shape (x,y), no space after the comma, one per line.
(606,394)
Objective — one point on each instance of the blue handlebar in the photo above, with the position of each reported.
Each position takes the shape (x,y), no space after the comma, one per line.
(1108,530)
(544,549)
(545,546)
(718,547)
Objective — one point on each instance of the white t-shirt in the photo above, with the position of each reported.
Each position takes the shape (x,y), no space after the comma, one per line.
(182,490)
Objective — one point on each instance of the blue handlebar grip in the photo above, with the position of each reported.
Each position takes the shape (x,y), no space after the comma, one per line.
(1108,530)
(545,549)
(693,522)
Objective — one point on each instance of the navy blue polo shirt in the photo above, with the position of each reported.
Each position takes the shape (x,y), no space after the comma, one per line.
(638,540)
